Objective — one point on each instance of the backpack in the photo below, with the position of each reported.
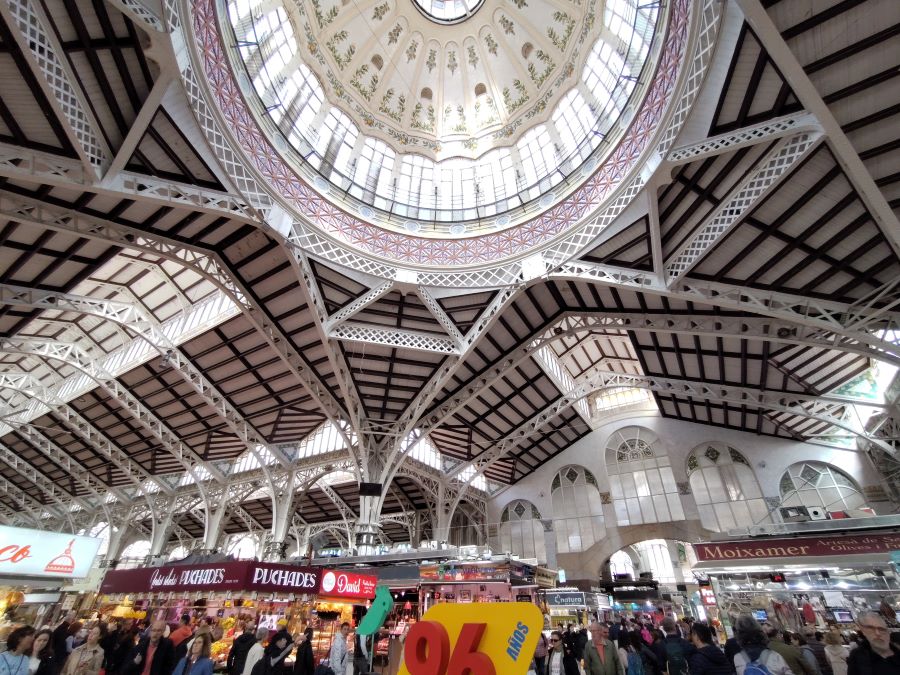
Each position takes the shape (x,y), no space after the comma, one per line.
(635,664)
(676,664)
(757,667)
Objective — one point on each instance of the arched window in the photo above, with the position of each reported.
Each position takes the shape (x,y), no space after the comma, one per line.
(816,484)
(243,547)
(640,479)
(725,488)
(102,532)
(178,553)
(521,531)
(621,563)
(137,549)
(577,510)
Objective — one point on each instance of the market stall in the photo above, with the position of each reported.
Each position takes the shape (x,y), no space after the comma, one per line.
(569,605)
(34,566)
(343,596)
(805,580)
(229,594)
(476,581)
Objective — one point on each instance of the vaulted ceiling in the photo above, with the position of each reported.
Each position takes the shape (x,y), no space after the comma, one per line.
(153,322)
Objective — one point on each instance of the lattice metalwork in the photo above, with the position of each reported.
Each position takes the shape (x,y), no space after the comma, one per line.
(774,166)
(782,126)
(138,11)
(134,317)
(74,356)
(709,19)
(200,262)
(363,301)
(61,458)
(47,56)
(394,337)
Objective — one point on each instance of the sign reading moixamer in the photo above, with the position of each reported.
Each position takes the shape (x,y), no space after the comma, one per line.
(799,547)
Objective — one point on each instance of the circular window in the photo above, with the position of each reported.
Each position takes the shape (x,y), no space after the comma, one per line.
(448,11)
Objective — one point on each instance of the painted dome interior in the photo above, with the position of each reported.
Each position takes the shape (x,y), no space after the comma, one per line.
(453,129)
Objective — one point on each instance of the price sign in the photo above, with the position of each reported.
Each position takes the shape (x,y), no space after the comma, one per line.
(473,639)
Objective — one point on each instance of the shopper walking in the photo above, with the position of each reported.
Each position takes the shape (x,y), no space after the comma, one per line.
(708,659)
(197,661)
(237,655)
(86,659)
(560,661)
(673,651)
(817,647)
(304,664)
(836,652)
(754,644)
(540,654)
(875,655)
(790,653)
(58,640)
(14,661)
(256,652)
(183,632)
(339,657)
(600,654)
(153,655)
(41,661)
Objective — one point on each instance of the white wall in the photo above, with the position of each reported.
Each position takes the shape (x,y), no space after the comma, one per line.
(769,456)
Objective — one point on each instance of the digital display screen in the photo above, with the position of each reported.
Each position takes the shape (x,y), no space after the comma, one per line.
(842,615)
(760,615)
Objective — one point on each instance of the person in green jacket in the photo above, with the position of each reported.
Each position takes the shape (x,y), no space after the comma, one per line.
(600,655)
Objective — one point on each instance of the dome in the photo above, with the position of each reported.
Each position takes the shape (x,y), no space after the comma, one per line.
(454,120)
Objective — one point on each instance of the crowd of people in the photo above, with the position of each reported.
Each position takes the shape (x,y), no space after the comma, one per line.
(632,647)
(155,648)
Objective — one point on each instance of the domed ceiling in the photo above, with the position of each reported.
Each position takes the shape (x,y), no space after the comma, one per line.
(451,112)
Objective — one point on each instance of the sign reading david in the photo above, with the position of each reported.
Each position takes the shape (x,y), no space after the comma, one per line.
(35,553)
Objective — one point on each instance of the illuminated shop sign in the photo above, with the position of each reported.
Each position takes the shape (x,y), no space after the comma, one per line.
(35,553)
(242,575)
(338,584)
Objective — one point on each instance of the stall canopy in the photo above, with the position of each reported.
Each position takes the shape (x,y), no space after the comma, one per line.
(36,553)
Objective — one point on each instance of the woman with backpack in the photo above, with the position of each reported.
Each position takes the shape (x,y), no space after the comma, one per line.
(755,658)
(540,654)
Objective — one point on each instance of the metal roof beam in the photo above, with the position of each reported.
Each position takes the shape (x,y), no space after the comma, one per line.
(73,355)
(766,173)
(46,57)
(140,13)
(43,400)
(134,318)
(353,331)
(776,47)
(852,321)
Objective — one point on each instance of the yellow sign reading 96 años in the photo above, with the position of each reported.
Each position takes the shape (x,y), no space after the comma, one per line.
(473,639)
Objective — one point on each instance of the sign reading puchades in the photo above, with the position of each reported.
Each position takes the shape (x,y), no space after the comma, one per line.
(241,575)
(35,553)
(798,547)
(340,584)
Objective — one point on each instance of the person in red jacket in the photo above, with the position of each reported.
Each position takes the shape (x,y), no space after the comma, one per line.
(183,632)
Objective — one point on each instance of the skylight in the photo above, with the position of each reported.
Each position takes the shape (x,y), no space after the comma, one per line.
(454,171)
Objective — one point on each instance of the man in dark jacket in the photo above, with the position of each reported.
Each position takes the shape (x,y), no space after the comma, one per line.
(237,655)
(304,662)
(708,659)
(153,655)
(876,655)
(58,640)
(672,647)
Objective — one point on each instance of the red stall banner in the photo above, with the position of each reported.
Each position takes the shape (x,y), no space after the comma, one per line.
(798,547)
(241,575)
(340,584)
